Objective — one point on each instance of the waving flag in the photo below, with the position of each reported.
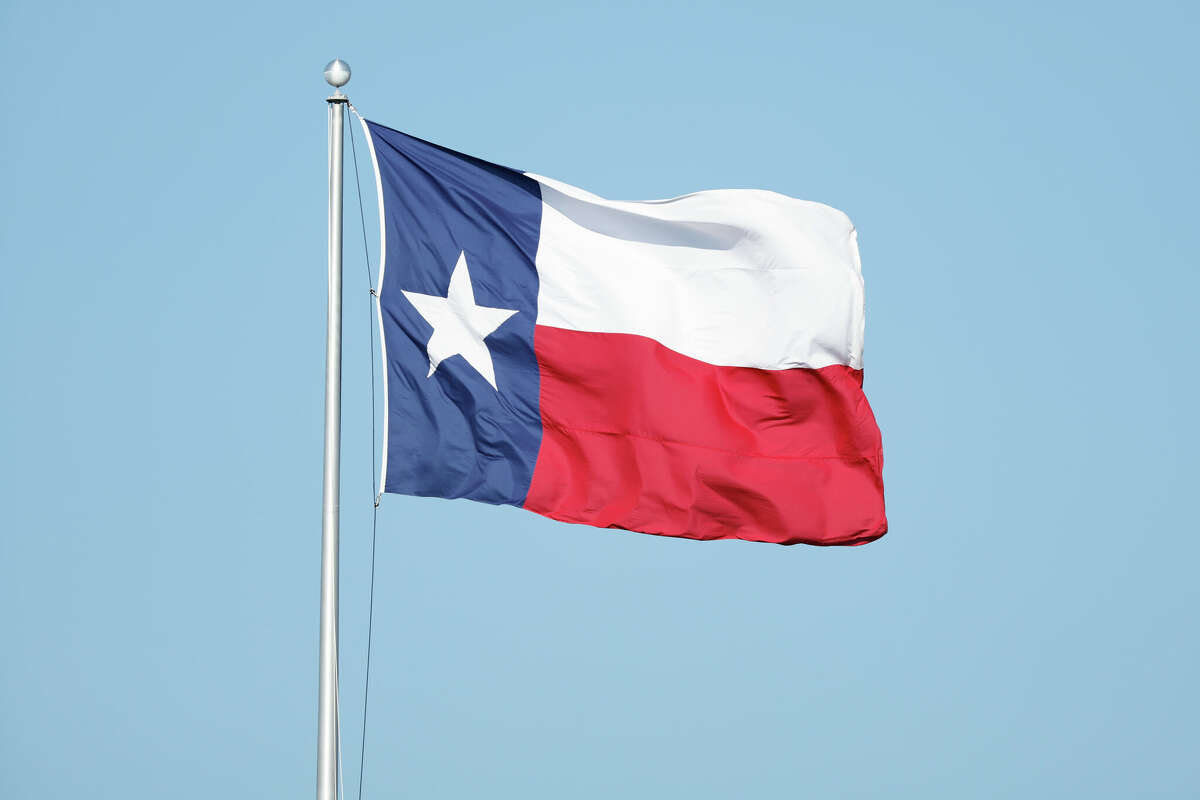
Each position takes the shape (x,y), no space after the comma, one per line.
(688,367)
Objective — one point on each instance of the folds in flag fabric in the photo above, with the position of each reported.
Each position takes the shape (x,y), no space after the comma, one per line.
(688,367)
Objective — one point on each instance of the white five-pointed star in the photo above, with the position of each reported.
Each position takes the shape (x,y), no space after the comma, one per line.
(459,326)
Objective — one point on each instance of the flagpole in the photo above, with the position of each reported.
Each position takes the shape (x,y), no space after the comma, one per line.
(337,74)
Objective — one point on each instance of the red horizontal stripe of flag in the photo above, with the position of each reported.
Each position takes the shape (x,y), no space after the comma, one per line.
(637,436)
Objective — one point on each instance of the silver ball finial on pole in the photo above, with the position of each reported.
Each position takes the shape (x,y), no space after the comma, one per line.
(337,73)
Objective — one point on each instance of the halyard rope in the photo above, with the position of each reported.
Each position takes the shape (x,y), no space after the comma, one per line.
(374,497)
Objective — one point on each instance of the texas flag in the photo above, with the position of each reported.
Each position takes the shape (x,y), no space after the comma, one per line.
(688,367)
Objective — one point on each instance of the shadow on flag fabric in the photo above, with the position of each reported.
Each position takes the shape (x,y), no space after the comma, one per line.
(688,367)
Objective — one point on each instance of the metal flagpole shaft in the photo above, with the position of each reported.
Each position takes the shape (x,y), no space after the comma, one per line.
(337,73)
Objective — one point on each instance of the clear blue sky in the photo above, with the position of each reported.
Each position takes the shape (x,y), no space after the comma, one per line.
(1023,179)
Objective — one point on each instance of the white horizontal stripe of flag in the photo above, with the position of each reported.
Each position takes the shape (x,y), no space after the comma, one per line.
(733,277)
